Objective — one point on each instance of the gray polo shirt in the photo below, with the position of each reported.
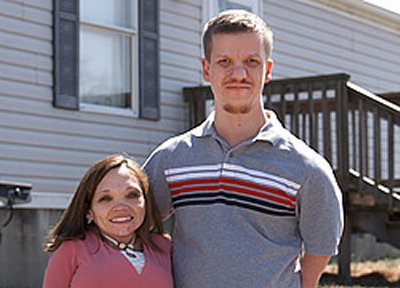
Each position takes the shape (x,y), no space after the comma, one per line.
(244,214)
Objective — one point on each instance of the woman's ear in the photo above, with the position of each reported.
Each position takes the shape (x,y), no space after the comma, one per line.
(89,216)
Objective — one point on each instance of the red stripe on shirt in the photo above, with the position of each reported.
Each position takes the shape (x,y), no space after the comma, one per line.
(223,183)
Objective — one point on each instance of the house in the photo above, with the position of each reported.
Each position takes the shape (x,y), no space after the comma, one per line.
(83,79)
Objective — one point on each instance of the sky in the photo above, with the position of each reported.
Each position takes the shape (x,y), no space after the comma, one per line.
(392,5)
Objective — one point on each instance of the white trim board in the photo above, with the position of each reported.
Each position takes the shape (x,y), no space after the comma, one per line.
(362,11)
(45,200)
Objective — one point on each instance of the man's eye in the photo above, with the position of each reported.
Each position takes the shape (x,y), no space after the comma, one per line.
(253,61)
(223,61)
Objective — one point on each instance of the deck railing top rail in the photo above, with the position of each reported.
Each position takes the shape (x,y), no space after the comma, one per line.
(383,103)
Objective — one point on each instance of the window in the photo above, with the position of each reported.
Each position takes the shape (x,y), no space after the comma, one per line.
(108,49)
(106,54)
(238,4)
(212,7)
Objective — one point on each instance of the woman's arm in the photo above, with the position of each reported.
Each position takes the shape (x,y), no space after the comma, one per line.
(60,268)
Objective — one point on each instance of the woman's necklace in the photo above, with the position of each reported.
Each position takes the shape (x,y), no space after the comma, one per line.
(127,247)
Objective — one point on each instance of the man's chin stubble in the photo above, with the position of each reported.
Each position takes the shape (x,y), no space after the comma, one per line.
(237,110)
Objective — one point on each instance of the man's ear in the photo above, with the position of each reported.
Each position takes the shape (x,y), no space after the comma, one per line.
(268,71)
(206,69)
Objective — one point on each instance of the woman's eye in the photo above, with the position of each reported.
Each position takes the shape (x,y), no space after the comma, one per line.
(134,195)
(105,198)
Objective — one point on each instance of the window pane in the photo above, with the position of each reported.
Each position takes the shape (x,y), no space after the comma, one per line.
(108,12)
(225,5)
(105,68)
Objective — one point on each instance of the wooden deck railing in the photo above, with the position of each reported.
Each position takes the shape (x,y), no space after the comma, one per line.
(374,129)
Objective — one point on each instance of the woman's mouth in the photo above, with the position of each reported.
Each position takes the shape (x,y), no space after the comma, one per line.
(121,219)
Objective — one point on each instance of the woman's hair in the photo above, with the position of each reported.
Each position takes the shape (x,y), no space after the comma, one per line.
(73,223)
(235,21)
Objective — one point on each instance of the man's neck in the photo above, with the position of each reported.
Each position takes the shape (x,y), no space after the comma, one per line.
(236,128)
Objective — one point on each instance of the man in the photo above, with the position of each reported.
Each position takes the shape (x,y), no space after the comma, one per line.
(253,205)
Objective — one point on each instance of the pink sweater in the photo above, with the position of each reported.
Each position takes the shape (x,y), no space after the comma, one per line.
(92,263)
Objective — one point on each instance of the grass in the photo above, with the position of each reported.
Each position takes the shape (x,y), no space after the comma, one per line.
(380,273)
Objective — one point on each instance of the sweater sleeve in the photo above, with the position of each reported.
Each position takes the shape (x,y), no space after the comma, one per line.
(61,267)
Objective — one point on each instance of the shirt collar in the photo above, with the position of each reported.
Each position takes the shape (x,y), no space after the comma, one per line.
(206,128)
(272,132)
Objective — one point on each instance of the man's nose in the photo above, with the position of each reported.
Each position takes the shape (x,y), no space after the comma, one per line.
(239,71)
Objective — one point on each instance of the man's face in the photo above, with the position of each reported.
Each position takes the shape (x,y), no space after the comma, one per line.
(237,71)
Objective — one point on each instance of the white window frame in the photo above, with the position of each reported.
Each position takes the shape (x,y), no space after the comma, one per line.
(134,67)
(211,7)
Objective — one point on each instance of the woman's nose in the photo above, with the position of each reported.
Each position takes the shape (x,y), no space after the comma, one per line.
(120,203)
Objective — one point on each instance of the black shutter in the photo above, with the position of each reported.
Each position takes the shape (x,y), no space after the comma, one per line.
(149,78)
(66,54)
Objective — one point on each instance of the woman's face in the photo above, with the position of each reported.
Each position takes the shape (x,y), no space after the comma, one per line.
(118,205)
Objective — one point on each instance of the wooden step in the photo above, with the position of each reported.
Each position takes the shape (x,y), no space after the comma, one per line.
(364,192)
(377,223)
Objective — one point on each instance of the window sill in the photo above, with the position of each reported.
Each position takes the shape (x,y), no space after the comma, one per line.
(98,109)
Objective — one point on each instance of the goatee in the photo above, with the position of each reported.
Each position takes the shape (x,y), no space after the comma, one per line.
(244,109)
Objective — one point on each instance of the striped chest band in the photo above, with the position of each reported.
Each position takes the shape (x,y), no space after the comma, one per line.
(232,185)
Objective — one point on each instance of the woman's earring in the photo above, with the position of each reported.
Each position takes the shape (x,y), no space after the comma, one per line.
(89,221)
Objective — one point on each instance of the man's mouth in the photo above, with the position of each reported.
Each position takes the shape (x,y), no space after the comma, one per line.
(237,87)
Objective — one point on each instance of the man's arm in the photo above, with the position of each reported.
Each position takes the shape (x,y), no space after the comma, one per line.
(311,269)
(320,221)
(154,168)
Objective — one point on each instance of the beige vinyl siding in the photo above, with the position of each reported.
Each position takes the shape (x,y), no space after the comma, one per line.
(179,56)
(311,40)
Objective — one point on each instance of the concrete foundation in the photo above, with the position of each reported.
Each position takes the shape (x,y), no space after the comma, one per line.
(22,260)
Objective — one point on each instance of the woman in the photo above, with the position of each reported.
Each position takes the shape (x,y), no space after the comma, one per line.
(110,235)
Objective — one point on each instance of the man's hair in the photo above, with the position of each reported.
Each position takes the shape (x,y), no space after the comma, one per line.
(235,21)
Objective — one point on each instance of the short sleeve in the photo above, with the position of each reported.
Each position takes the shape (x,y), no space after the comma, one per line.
(61,267)
(154,167)
(320,211)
